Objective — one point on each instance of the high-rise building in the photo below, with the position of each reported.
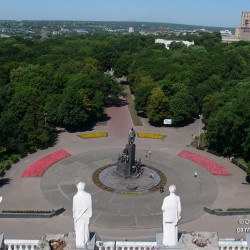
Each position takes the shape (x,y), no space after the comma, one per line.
(245,26)
(131,30)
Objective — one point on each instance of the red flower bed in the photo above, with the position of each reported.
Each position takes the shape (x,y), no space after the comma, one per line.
(211,166)
(37,169)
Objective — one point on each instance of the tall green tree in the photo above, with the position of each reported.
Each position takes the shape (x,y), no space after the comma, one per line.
(157,107)
(75,108)
(182,108)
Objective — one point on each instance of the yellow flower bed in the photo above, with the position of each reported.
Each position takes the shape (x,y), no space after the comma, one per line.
(93,135)
(150,135)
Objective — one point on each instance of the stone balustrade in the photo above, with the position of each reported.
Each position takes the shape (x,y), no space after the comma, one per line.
(20,244)
(232,244)
(126,245)
(229,244)
(129,245)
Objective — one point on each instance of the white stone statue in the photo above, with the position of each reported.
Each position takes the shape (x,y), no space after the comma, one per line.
(171,209)
(82,211)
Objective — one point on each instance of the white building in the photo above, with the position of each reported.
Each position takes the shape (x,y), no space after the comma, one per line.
(226,33)
(131,30)
(168,42)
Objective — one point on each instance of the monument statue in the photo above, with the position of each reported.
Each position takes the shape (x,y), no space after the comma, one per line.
(126,160)
(82,211)
(171,209)
(131,136)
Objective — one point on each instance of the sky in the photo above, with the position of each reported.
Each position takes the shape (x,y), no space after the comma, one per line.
(220,13)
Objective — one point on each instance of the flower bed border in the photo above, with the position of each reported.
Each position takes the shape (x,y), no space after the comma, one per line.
(98,183)
(219,212)
(150,135)
(32,214)
(93,135)
(214,170)
(39,167)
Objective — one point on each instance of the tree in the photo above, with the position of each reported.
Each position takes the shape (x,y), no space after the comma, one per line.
(91,64)
(122,65)
(157,107)
(246,146)
(10,128)
(74,109)
(211,104)
(35,133)
(182,108)
(208,40)
(225,131)
(98,104)
(142,93)
(236,66)
(52,110)
(177,45)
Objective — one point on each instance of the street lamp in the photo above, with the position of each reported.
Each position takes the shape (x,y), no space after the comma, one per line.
(199,137)
(45,116)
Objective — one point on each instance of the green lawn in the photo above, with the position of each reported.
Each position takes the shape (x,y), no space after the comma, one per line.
(131,106)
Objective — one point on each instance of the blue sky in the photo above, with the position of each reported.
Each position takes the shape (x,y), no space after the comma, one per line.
(223,13)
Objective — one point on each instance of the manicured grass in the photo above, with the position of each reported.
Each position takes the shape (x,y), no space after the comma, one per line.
(131,193)
(98,183)
(28,211)
(131,106)
(163,181)
(38,168)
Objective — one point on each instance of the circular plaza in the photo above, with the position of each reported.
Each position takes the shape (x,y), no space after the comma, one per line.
(132,209)
(123,215)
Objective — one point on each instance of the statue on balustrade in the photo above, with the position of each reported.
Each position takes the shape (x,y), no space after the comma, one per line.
(82,211)
(171,209)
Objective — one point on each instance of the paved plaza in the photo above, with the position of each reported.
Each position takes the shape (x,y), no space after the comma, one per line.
(117,216)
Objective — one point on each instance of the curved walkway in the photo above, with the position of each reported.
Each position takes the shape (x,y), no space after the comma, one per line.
(132,217)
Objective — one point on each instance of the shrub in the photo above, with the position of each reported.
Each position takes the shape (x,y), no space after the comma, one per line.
(7,161)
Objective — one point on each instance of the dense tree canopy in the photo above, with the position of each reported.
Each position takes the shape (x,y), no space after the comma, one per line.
(61,80)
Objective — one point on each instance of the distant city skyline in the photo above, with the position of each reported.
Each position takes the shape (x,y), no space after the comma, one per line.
(220,13)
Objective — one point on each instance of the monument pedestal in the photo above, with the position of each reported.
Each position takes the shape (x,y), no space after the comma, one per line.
(69,241)
(159,242)
(126,161)
(191,241)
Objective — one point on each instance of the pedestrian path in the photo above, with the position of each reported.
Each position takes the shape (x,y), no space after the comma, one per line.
(120,122)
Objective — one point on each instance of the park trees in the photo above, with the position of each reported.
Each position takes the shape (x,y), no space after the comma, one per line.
(142,88)
(182,108)
(75,108)
(63,77)
(157,106)
(24,121)
(228,127)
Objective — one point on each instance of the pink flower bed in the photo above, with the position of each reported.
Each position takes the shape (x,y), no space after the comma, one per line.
(211,166)
(37,169)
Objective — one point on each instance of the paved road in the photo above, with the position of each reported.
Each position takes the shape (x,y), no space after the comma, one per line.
(116,216)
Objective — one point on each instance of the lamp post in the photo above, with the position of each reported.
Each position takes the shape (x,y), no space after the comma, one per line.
(45,116)
(199,135)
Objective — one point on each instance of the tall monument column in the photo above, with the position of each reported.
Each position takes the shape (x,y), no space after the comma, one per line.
(127,159)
